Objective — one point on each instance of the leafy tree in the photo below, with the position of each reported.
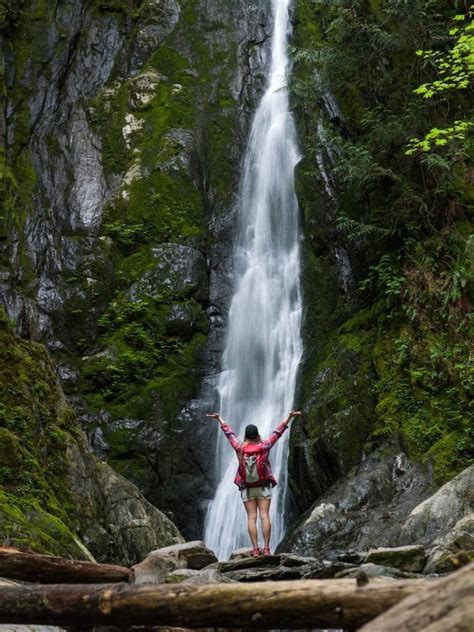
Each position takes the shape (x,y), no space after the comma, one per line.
(455,69)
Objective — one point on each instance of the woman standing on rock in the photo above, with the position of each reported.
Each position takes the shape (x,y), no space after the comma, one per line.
(254,475)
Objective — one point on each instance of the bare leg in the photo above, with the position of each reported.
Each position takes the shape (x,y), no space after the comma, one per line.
(251,509)
(264,508)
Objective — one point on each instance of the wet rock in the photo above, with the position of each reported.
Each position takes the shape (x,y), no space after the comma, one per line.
(440,512)
(324,569)
(160,563)
(362,511)
(295,560)
(352,557)
(196,554)
(444,552)
(202,577)
(116,522)
(270,573)
(179,268)
(243,563)
(375,570)
(175,151)
(405,558)
(155,568)
(157,18)
(181,318)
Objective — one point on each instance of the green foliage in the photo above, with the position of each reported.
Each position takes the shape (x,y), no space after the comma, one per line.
(455,69)
(403,219)
(36,428)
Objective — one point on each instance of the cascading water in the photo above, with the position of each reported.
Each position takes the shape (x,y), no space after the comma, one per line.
(264,348)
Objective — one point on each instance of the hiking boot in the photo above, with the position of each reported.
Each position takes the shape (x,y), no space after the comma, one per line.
(256,552)
(266,551)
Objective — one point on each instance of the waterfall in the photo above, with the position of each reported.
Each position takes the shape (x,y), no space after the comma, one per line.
(263,347)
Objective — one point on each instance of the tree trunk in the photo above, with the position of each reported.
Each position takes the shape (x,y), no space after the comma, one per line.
(334,603)
(447,604)
(33,567)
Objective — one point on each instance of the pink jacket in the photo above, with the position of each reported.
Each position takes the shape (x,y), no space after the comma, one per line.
(261,450)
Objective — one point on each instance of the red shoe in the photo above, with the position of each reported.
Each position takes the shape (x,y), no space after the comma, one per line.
(256,552)
(266,551)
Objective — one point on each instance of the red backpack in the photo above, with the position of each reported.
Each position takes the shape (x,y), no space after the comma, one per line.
(252,459)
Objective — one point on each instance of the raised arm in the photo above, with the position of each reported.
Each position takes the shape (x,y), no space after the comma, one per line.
(229,433)
(280,429)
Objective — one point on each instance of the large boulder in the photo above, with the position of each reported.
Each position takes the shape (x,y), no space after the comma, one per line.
(160,563)
(439,513)
(362,511)
(405,558)
(196,554)
(190,576)
(444,552)
(116,522)
(374,570)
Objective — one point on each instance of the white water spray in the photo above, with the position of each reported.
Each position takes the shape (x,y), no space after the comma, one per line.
(263,350)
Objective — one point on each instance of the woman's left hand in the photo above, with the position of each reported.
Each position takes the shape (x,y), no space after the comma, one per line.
(295,413)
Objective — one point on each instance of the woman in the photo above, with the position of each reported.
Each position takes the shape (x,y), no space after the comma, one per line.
(254,475)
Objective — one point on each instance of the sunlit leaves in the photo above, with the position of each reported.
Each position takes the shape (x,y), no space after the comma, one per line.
(439,137)
(455,69)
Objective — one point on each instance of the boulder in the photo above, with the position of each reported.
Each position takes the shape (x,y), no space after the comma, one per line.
(160,563)
(268,573)
(405,558)
(375,570)
(443,555)
(154,568)
(362,511)
(196,554)
(439,513)
(286,559)
(190,576)
(248,562)
(117,523)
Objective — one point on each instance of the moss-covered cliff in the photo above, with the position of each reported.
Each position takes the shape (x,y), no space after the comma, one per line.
(388,266)
(55,497)
(123,125)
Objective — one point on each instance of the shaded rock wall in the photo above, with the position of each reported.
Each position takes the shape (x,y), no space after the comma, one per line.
(55,496)
(125,124)
(383,358)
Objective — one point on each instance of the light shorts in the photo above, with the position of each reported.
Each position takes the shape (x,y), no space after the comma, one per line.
(251,493)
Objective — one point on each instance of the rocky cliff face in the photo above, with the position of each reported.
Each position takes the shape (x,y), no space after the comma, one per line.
(124,128)
(385,366)
(55,496)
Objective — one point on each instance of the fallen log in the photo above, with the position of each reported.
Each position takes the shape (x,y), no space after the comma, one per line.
(447,604)
(334,603)
(33,567)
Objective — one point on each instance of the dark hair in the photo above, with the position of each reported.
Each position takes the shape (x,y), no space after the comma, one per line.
(251,432)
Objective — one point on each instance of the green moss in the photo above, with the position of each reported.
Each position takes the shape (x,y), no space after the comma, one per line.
(36,427)
(26,525)
(404,333)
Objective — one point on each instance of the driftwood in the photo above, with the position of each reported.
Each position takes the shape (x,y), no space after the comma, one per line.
(33,567)
(447,604)
(334,603)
